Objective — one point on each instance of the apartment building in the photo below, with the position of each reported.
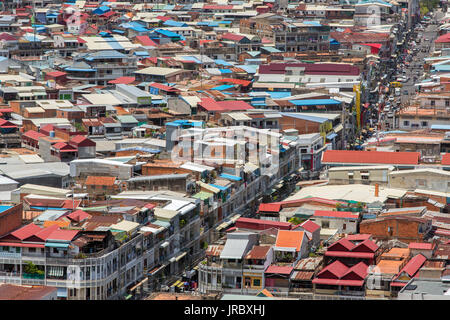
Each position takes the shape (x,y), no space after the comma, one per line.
(99,67)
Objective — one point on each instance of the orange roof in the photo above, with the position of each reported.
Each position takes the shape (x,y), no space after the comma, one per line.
(289,239)
(390,266)
(60,223)
(396,253)
(100,181)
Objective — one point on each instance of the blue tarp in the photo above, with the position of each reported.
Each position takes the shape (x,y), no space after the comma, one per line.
(223,87)
(222,62)
(230,177)
(173,23)
(225,71)
(331,136)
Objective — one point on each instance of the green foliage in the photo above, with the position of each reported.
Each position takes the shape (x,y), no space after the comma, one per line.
(295,220)
(31,268)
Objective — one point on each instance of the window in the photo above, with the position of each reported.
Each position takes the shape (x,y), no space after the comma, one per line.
(432,102)
(256,282)
(344,226)
(421,182)
(325,224)
(447,103)
(406,123)
(424,124)
(390,231)
(31,249)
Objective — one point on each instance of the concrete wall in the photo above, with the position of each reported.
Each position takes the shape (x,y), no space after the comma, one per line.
(379,176)
(420,180)
(337,223)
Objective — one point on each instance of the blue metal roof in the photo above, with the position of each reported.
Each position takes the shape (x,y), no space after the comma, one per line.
(331,136)
(223,87)
(440,126)
(168,33)
(222,62)
(279,94)
(219,187)
(173,23)
(225,71)
(230,177)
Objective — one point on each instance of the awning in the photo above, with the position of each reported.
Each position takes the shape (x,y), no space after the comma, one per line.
(165,244)
(331,136)
(56,245)
(180,256)
(55,271)
(62,292)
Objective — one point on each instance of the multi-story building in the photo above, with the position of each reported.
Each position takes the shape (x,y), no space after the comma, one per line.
(99,67)
(302,36)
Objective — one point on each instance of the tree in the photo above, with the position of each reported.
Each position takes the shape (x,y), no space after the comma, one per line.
(295,220)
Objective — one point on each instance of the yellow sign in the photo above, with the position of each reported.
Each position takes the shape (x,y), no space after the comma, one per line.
(357,90)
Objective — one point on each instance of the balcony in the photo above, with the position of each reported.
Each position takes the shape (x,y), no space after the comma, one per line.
(9,255)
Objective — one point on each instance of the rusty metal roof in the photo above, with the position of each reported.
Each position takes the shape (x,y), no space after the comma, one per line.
(309,264)
(302,275)
(214,250)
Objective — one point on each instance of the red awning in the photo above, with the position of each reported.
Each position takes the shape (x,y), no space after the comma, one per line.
(335,282)
(343,254)
(25,245)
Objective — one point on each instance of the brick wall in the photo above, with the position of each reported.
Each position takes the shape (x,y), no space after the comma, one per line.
(303,126)
(403,230)
(10,219)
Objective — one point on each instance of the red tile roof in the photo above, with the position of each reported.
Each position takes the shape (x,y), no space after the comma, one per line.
(359,269)
(336,269)
(336,214)
(445,159)
(56,74)
(358,237)
(33,135)
(341,245)
(366,246)
(78,215)
(232,37)
(310,226)
(370,157)
(25,231)
(279,269)
(420,245)
(66,235)
(258,224)
(269,207)
(146,41)
(414,265)
(445,38)
(244,83)
(163,87)
(122,80)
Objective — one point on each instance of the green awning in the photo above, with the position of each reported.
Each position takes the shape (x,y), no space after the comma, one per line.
(56,245)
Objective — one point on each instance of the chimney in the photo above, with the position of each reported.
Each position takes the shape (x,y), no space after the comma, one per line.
(377,189)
